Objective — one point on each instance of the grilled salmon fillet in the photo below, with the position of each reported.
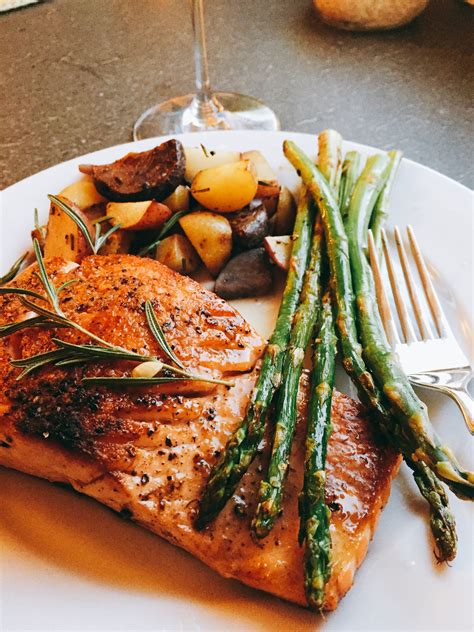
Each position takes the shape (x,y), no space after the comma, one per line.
(147,452)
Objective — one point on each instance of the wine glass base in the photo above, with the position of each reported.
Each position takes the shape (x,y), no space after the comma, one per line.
(229,111)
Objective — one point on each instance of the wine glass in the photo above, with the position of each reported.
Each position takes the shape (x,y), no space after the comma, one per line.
(205,110)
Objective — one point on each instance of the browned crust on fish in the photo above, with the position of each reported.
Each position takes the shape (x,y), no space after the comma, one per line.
(147,454)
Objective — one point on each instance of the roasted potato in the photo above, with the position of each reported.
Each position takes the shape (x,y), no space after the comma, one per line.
(249,227)
(200,158)
(138,215)
(119,243)
(211,236)
(138,177)
(177,252)
(226,188)
(63,236)
(268,186)
(279,250)
(178,200)
(284,218)
(83,193)
(247,274)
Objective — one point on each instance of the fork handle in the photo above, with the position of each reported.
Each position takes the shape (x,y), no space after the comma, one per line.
(454,383)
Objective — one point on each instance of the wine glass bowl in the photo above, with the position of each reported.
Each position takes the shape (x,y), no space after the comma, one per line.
(187,113)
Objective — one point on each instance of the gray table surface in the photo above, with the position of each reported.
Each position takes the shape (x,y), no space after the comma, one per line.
(77,73)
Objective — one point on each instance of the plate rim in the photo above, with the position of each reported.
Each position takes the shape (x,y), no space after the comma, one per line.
(129,145)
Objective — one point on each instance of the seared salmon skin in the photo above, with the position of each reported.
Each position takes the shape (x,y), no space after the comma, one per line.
(147,452)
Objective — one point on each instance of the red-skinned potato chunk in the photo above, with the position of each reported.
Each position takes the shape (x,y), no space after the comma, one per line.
(246,275)
(226,188)
(249,226)
(279,250)
(140,176)
(138,215)
(63,236)
(211,236)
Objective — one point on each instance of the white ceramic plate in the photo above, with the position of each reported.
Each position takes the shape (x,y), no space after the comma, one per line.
(68,563)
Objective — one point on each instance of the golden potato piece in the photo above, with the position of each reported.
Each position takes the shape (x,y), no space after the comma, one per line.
(178,200)
(211,236)
(83,193)
(268,186)
(118,243)
(177,252)
(226,188)
(138,215)
(63,236)
(199,158)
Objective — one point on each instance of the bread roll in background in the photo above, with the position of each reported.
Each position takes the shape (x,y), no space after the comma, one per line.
(366,15)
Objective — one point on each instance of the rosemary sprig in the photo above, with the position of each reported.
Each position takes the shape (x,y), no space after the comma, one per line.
(71,213)
(99,237)
(13,271)
(157,331)
(67,354)
(163,232)
(41,230)
(22,291)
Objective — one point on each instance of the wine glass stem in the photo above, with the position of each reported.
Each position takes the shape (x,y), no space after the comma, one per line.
(203,84)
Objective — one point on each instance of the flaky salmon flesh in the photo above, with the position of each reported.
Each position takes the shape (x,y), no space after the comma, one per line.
(147,452)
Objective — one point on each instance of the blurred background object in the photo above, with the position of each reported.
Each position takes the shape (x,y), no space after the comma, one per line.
(369,15)
(205,110)
(76,73)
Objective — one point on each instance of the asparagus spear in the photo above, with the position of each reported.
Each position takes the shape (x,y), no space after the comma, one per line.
(314,514)
(271,487)
(441,520)
(380,212)
(330,158)
(243,445)
(351,169)
(442,523)
(414,433)
(410,411)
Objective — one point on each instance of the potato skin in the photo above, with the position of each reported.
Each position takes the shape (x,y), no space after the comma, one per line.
(226,188)
(211,236)
(137,177)
(250,227)
(279,250)
(248,274)
(63,237)
(177,252)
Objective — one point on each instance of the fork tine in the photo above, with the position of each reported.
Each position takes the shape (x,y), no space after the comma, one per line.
(405,322)
(382,300)
(430,292)
(423,326)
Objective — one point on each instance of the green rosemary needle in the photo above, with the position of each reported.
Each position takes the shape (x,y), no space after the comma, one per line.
(68,354)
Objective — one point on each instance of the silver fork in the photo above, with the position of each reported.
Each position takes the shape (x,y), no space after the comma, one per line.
(433,358)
